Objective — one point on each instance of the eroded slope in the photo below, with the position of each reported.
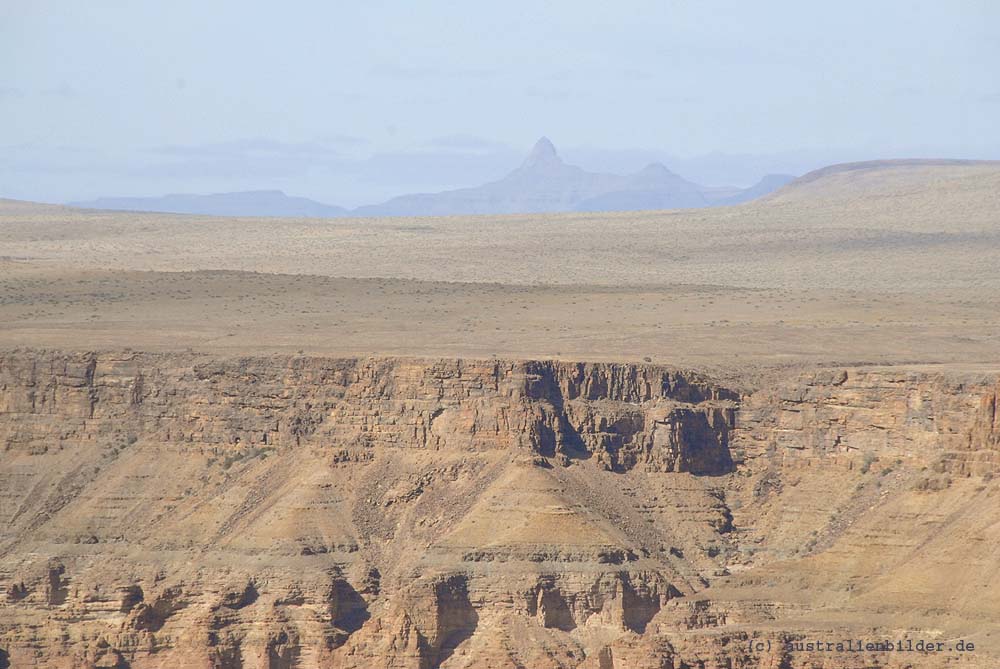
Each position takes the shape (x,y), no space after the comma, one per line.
(182,510)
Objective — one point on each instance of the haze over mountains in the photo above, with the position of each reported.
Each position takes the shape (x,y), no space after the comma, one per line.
(542,183)
(244,203)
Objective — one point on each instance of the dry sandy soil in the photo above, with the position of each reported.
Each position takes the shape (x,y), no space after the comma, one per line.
(872,263)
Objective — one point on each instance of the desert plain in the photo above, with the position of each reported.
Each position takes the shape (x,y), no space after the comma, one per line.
(883,263)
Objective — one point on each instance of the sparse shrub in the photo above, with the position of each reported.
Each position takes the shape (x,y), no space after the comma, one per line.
(230,459)
(249,454)
(866,462)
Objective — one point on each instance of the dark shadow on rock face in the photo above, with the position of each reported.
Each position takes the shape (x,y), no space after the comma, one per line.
(282,651)
(16,592)
(132,596)
(706,436)
(546,439)
(111,658)
(555,432)
(348,609)
(239,599)
(225,652)
(695,441)
(4,659)
(152,617)
(58,590)
(457,618)
(555,611)
(639,605)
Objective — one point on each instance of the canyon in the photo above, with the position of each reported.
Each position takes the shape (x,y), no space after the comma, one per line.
(164,510)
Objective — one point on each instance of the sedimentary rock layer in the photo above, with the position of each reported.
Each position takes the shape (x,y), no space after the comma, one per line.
(164,510)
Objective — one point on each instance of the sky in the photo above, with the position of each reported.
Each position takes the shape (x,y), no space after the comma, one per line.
(353,102)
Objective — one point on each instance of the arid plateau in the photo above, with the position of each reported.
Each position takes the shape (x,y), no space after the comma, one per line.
(764,435)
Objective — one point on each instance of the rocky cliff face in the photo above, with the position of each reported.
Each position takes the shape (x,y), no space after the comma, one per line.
(171,510)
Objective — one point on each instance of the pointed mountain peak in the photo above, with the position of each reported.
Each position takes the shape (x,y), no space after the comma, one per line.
(543,153)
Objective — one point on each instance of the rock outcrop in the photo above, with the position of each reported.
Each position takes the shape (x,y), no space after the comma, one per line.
(163,510)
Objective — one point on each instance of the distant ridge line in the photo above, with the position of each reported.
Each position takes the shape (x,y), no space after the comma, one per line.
(863,165)
(542,183)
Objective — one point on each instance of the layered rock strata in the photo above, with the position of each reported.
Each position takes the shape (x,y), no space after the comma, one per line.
(164,510)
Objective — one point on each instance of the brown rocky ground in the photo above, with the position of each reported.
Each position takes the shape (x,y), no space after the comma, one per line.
(371,444)
(166,510)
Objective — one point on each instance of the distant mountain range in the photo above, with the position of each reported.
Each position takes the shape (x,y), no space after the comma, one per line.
(245,203)
(542,183)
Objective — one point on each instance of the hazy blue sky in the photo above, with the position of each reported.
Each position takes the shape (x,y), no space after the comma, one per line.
(350,102)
